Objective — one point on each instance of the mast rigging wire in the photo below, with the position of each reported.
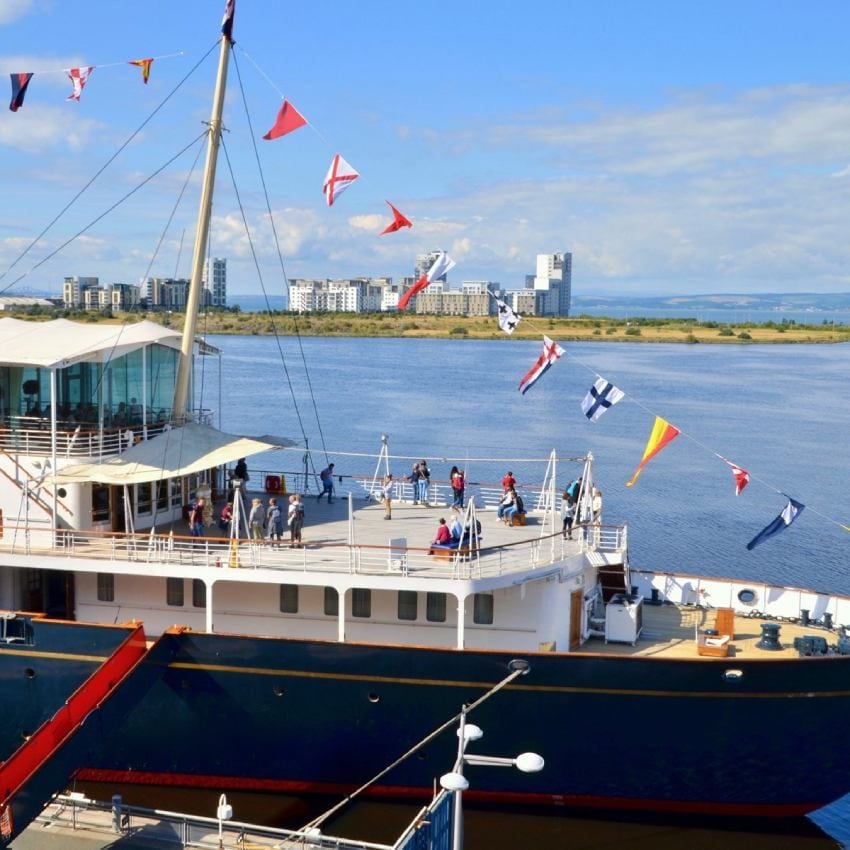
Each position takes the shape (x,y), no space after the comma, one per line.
(280,259)
(96,175)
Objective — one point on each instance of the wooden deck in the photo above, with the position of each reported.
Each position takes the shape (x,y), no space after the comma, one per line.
(670,631)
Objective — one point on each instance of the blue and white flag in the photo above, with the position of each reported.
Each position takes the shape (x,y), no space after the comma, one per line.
(508,320)
(599,398)
(789,513)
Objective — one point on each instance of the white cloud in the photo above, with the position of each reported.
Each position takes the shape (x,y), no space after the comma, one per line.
(38,128)
(13,9)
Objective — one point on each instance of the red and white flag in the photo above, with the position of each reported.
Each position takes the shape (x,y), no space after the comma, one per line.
(442,266)
(552,352)
(742,477)
(79,77)
(339,177)
(288,119)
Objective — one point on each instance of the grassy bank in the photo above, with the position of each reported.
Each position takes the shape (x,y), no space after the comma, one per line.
(584,328)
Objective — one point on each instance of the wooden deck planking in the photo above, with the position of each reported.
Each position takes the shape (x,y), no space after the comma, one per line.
(670,631)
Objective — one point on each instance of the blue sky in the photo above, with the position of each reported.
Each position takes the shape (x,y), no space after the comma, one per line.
(672,147)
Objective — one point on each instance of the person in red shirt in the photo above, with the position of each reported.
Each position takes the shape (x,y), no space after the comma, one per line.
(508,482)
(444,536)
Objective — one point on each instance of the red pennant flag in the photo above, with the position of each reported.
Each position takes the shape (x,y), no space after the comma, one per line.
(742,477)
(145,65)
(662,434)
(288,119)
(399,220)
(19,90)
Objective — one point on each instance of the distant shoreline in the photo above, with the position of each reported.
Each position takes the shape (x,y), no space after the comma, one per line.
(582,328)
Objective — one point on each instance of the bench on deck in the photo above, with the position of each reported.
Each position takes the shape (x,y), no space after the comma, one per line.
(518,519)
(717,645)
(447,550)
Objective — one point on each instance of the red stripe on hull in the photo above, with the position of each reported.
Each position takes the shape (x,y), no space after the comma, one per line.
(577,801)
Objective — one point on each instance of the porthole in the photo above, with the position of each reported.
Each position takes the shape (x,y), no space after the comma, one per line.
(733,675)
(29,673)
(374,698)
(747,596)
(277,690)
(61,492)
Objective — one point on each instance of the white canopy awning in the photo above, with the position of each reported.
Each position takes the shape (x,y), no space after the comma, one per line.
(61,343)
(176,452)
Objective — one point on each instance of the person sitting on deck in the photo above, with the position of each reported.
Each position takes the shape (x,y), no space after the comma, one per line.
(444,536)
(456,527)
(507,501)
(516,508)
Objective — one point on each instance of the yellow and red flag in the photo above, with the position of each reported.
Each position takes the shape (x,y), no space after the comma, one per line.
(145,65)
(662,434)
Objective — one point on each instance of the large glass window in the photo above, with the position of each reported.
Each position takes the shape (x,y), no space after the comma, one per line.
(174,591)
(99,502)
(289,598)
(124,390)
(144,504)
(435,608)
(199,593)
(331,602)
(162,375)
(482,608)
(361,602)
(407,604)
(105,587)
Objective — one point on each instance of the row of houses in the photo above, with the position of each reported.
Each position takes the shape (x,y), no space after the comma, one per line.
(545,293)
(153,293)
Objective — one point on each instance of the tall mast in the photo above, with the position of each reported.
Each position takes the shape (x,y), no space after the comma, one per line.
(184,366)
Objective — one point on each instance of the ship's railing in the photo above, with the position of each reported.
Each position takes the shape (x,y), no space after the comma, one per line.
(32,436)
(160,827)
(319,557)
(748,598)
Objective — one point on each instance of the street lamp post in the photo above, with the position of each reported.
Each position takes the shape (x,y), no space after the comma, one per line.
(457,783)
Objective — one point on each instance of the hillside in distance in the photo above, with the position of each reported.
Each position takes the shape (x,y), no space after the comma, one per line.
(766,301)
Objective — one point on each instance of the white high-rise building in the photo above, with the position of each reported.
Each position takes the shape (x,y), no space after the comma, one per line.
(215,281)
(554,280)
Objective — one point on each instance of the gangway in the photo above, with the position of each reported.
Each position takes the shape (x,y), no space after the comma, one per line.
(42,766)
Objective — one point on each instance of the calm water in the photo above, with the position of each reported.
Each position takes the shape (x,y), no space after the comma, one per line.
(779,411)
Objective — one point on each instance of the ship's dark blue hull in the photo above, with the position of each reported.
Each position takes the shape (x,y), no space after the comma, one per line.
(39,673)
(633,732)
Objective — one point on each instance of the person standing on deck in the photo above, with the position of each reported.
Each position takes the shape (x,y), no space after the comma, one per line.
(508,482)
(326,476)
(423,482)
(596,506)
(256,519)
(458,483)
(274,522)
(387,495)
(568,514)
(413,478)
(295,519)
(196,518)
